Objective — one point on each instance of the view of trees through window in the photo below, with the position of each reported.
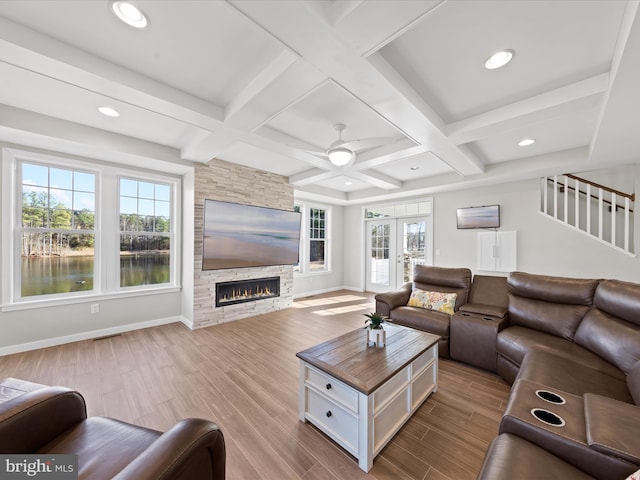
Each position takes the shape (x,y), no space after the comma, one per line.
(57,230)
(145,233)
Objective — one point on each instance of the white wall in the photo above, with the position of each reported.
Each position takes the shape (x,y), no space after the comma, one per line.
(544,246)
(29,327)
(313,283)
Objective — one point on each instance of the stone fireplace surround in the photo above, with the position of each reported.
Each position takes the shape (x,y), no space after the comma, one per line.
(229,182)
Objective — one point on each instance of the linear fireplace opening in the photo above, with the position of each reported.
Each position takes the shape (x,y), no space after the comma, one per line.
(240,291)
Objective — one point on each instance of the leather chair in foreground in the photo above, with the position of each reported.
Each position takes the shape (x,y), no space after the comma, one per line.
(54,420)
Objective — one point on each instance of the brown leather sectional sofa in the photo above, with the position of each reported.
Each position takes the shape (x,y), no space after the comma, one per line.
(571,350)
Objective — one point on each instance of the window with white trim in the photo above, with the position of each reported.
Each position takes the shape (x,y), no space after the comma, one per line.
(317,239)
(145,233)
(85,228)
(315,248)
(57,230)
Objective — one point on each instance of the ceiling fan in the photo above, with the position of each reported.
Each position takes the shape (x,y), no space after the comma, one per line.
(342,153)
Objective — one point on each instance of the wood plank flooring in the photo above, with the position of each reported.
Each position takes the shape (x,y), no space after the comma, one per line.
(243,375)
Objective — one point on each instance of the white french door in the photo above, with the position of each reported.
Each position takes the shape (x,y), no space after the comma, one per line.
(394,247)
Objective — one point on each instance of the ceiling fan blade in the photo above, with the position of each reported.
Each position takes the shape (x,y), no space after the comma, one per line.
(317,153)
(364,143)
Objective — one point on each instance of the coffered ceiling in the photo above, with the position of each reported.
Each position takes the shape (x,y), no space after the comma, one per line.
(262,83)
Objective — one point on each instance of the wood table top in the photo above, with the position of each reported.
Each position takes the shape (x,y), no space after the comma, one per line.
(349,359)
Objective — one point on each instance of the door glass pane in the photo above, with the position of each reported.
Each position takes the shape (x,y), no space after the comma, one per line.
(380,254)
(413,247)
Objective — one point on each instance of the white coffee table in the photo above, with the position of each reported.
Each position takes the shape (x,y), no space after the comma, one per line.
(361,395)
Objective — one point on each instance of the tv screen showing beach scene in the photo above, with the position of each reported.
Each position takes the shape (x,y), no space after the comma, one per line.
(479,217)
(238,236)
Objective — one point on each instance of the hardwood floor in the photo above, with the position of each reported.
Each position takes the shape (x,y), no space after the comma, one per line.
(244,376)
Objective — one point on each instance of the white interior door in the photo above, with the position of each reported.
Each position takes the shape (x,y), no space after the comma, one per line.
(381,259)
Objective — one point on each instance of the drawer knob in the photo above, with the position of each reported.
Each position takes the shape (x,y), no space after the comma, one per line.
(328,386)
(329,413)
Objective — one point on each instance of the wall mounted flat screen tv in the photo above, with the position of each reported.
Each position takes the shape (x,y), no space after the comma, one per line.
(238,236)
(487,216)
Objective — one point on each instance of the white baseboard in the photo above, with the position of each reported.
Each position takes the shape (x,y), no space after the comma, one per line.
(187,322)
(76,337)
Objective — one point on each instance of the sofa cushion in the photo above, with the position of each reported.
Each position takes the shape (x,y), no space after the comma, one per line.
(611,338)
(422,319)
(613,427)
(442,279)
(439,301)
(564,374)
(515,342)
(612,328)
(620,299)
(554,305)
(510,457)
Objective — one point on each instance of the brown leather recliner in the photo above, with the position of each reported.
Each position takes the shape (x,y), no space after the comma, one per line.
(434,279)
(54,420)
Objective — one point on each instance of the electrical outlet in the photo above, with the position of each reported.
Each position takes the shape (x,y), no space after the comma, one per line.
(95,307)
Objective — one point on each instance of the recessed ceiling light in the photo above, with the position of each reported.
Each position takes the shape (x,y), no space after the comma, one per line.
(348,183)
(499,59)
(108,111)
(129,14)
(525,142)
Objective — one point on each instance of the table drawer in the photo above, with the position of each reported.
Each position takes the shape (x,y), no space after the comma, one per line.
(388,390)
(338,423)
(334,389)
(423,384)
(423,361)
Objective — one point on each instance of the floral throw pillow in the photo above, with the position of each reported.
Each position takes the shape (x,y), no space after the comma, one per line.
(442,302)
(634,476)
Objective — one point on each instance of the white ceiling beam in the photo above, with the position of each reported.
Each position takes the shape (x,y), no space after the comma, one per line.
(334,12)
(41,54)
(376,179)
(23,127)
(314,175)
(383,91)
(387,153)
(528,111)
(615,136)
(524,169)
(267,76)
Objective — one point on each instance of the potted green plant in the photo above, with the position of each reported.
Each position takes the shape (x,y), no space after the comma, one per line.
(375,332)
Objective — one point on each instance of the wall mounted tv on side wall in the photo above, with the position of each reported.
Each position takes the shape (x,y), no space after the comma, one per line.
(487,216)
(238,236)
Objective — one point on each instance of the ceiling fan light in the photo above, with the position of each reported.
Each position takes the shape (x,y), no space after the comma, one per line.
(340,156)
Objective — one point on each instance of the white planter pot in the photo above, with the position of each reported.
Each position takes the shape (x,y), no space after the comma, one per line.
(377,336)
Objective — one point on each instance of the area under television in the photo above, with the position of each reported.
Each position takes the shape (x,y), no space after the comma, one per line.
(238,236)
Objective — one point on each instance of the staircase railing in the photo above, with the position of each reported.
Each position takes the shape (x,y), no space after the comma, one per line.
(590,208)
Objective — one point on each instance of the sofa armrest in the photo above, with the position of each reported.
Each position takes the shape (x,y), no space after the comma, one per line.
(192,449)
(613,427)
(387,301)
(484,310)
(29,421)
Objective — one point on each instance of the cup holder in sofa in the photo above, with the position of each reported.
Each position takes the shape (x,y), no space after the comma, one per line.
(550,418)
(550,397)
